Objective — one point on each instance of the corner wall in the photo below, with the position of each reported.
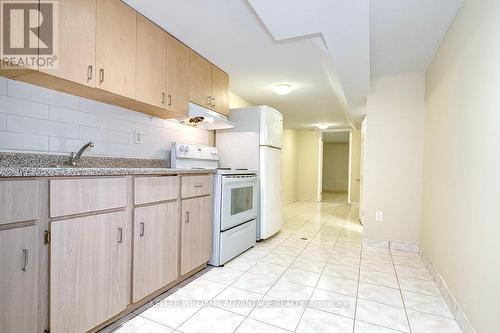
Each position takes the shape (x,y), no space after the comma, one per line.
(460,220)
(289,174)
(309,150)
(394,157)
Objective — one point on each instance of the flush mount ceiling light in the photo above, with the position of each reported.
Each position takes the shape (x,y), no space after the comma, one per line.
(282,88)
(322,126)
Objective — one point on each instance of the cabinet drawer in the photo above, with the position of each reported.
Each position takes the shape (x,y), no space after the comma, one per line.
(193,186)
(154,189)
(77,196)
(18,201)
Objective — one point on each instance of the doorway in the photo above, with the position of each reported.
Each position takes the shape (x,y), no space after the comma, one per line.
(340,166)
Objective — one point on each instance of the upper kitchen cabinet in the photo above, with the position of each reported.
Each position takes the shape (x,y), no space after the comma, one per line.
(177,76)
(200,80)
(220,87)
(77,42)
(208,85)
(150,74)
(116,47)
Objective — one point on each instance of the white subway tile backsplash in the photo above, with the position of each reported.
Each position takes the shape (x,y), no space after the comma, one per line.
(3,86)
(138,151)
(3,121)
(41,127)
(23,141)
(102,109)
(66,122)
(104,135)
(23,107)
(66,145)
(76,117)
(42,95)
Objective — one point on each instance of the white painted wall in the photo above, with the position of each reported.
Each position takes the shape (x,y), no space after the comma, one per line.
(35,119)
(354,166)
(460,220)
(290,171)
(336,167)
(394,157)
(309,167)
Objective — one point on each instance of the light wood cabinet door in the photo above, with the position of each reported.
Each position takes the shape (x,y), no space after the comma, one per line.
(116,47)
(90,265)
(156,248)
(220,87)
(151,63)
(177,76)
(200,80)
(19,280)
(76,51)
(196,232)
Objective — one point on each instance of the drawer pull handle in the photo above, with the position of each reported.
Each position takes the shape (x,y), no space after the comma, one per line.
(169,100)
(26,255)
(141,233)
(198,186)
(120,235)
(187,217)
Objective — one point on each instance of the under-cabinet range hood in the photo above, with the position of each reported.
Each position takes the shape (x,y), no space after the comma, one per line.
(204,118)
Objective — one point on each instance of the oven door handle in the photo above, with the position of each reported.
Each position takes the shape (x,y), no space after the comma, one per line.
(249,180)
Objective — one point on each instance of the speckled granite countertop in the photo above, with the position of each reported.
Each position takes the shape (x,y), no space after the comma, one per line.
(44,165)
(76,171)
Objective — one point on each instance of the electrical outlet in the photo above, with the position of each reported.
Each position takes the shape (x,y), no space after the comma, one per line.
(379,216)
(137,137)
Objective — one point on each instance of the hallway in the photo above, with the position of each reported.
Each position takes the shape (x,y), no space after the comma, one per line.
(335,197)
(314,276)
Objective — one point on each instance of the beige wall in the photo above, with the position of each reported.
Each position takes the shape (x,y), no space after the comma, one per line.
(235,101)
(336,167)
(310,147)
(290,186)
(394,157)
(354,159)
(460,220)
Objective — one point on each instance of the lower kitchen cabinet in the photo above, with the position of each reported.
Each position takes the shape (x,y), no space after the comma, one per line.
(90,264)
(196,232)
(19,280)
(156,248)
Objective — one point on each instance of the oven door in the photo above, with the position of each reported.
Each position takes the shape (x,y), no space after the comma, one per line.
(239,200)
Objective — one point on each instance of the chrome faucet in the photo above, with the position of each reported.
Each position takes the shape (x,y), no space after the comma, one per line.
(75,157)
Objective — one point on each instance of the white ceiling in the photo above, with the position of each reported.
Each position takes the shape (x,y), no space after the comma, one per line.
(327,49)
(335,137)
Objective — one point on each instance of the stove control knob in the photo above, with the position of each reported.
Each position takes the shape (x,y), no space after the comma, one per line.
(186,148)
(182,148)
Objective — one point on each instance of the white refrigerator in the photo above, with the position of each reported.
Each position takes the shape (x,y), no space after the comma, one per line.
(255,144)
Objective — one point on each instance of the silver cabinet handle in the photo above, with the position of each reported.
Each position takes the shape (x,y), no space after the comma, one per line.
(120,235)
(213,101)
(187,217)
(169,99)
(209,100)
(90,72)
(26,255)
(163,98)
(198,186)
(101,75)
(141,233)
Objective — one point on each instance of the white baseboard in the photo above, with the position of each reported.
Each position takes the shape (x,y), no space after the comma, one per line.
(455,309)
(392,244)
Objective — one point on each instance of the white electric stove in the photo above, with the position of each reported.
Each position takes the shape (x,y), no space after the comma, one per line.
(235,198)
